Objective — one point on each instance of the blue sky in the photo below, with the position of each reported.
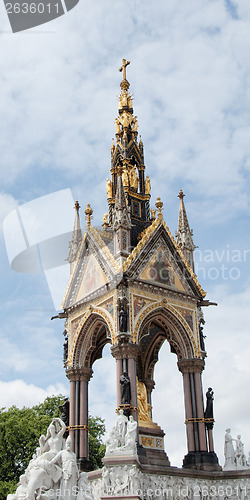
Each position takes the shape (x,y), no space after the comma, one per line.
(189,74)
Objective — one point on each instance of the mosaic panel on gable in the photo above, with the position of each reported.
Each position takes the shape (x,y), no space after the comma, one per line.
(93,278)
(160,270)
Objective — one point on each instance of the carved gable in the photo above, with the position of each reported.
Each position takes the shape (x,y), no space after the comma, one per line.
(158,260)
(95,266)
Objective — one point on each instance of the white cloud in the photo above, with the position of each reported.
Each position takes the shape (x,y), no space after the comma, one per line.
(102,389)
(34,347)
(193,109)
(20,393)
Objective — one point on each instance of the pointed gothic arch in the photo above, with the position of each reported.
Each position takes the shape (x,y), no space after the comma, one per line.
(92,335)
(158,323)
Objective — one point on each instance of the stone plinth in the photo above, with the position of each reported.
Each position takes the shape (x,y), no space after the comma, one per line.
(151,438)
(202,460)
(120,460)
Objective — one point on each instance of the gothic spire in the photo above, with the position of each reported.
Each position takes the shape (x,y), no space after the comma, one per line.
(76,237)
(127,155)
(184,235)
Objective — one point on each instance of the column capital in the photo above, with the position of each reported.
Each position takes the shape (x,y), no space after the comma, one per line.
(192,365)
(82,373)
(127,351)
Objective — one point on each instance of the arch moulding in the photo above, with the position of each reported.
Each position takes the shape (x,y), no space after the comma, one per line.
(86,336)
(162,308)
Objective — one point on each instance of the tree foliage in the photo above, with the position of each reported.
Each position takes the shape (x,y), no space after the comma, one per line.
(96,447)
(20,430)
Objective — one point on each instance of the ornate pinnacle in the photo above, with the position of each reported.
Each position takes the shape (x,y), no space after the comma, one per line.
(77,206)
(88,213)
(181,195)
(159,205)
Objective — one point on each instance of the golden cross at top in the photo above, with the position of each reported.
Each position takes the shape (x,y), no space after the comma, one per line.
(123,68)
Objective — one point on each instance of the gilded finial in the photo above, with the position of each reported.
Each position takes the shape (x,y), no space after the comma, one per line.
(181,195)
(124,84)
(105,221)
(159,206)
(88,213)
(123,68)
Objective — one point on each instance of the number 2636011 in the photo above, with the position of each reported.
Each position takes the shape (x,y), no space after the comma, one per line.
(32,8)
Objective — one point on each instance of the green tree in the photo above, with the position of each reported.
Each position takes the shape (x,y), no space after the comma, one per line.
(20,430)
(96,446)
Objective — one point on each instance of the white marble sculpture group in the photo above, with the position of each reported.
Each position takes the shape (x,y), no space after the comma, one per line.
(235,457)
(53,473)
(122,437)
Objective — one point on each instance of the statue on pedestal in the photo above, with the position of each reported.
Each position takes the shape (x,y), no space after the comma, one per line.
(125,388)
(117,126)
(229,450)
(109,188)
(123,319)
(144,409)
(125,180)
(240,456)
(147,185)
(121,427)
(202,338)
(65,350)
(133,178)
(122,437)
(209,414)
